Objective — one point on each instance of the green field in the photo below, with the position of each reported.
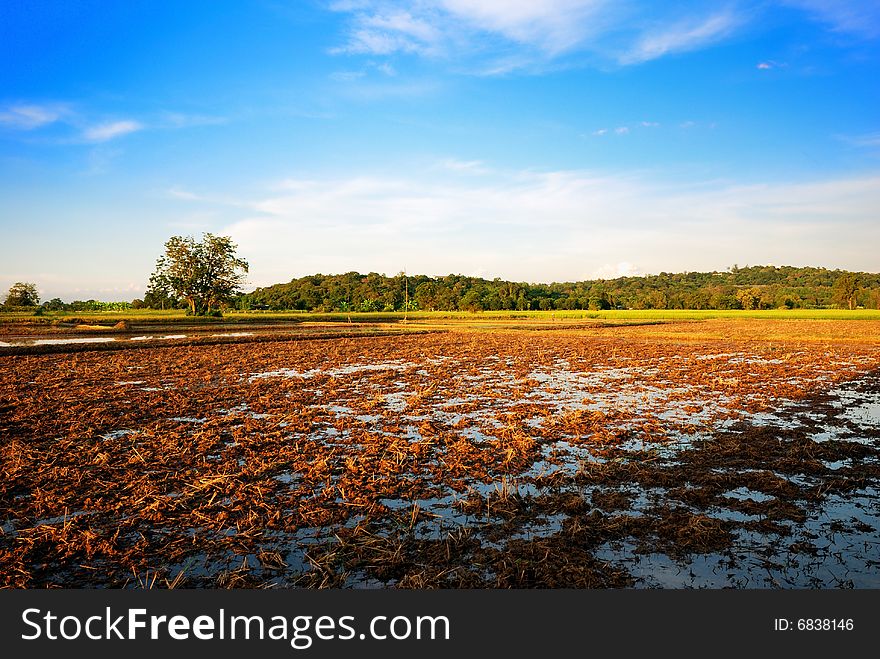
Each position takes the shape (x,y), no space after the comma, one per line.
(149,316)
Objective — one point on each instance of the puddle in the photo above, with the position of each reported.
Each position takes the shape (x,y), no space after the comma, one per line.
(116,434)
(55,342)
(333,372)
(73,340)
(745,494)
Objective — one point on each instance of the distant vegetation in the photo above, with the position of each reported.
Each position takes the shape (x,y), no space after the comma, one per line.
(750,288)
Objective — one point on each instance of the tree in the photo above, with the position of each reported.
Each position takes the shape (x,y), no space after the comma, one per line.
(205,274)
(158,294)
(749,298)
(471,301)
(22,294)
(845,289)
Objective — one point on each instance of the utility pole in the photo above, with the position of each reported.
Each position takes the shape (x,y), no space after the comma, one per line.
(406,295)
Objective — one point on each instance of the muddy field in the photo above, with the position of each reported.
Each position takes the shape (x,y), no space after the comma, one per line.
(716,454)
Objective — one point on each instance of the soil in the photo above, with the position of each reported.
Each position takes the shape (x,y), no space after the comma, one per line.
(602,458)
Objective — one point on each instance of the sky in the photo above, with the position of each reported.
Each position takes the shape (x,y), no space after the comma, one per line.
(546,141)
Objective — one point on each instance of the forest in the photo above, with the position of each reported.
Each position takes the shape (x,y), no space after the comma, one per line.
(755,287)
(749,288)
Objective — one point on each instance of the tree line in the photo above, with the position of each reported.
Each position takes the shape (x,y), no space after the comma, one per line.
(756,287)
(204,277)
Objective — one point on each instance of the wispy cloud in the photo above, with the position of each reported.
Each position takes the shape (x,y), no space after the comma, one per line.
(387,29)
(553,26)
(465,166)
(28,116)
(83,126)
(184,120)
(769,64)
(869,140)
(495,37)
(387,69)
(681,37)
(384,27)
(180,193)
(860,18)
(111,130)
(626,130)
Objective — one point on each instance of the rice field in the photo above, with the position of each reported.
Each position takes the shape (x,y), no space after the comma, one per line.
(723,453)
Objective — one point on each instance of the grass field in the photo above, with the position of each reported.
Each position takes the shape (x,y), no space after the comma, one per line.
(733,452)
(177,316)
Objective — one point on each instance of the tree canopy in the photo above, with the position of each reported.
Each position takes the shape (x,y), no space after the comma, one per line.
(846,289)
(756,287)
(206,274)
(22,294)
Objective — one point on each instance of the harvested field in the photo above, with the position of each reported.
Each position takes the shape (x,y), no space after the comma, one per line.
(716,454)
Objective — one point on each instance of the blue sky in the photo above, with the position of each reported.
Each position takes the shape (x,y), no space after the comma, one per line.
(551,141)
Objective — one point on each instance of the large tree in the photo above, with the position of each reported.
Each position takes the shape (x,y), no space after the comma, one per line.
(22,294)
(206,274)
(845,289)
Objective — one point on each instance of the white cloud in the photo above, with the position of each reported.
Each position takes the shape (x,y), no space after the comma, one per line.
(387,69)
(382,27)
(554,26)
(681,37)
(111,130)
(625,130)
(563,225)
(182,120)
(465,166)
(403,23)
(495,37)
(770,64)
(179,193)
(30,116)
(622,269)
